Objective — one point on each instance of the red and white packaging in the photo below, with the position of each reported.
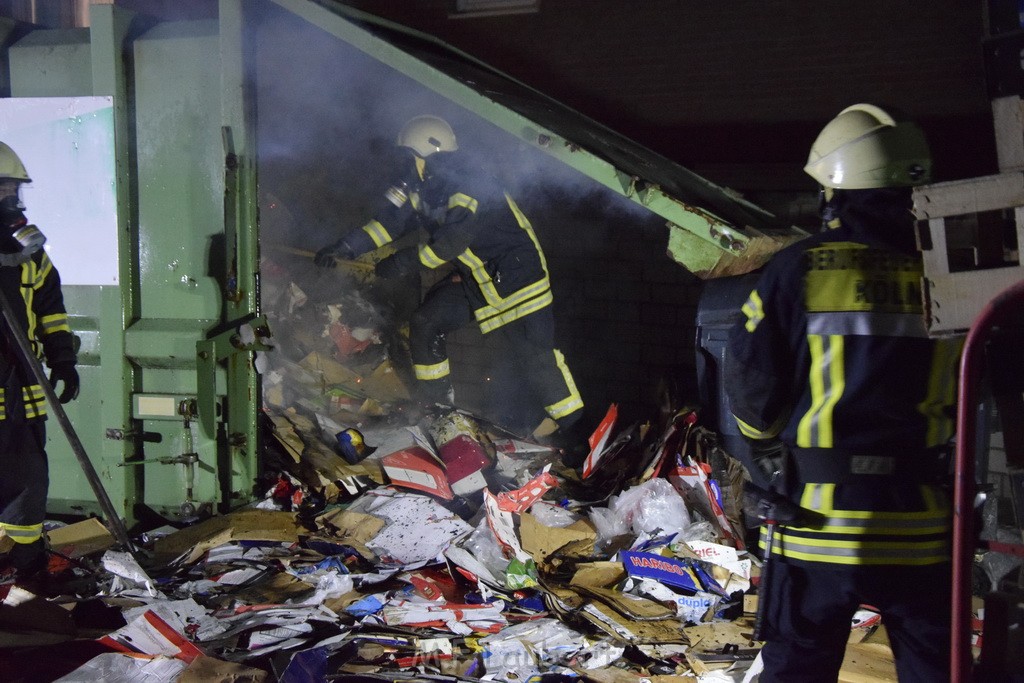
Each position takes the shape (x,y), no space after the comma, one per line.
(460,449)
(415,468)
(599,439)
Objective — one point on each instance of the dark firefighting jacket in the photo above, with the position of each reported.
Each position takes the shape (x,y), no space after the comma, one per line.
(34,292)
(832,357)
(473,224)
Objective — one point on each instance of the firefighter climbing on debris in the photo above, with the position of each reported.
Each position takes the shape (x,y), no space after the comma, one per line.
(500,278)
(832,361)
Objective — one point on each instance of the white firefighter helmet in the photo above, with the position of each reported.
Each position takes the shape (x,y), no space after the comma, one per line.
(865,147)
(11,166)
(426,135)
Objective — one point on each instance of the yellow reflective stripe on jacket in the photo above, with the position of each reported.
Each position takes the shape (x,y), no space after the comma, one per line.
(522,302)
(429,257)
(513,300)
(377,232)
(531,306)
(570,403)
(524,223)
(857,552)
(429,372)
(481,277)
(41,271)
(30,282)
(941,391)
(35,401)
(23,533)
(465,201)
(826,383)
(748,431)
(33,398)
(57,322)
(868,536)
(820,498)
(755,433)
(754,310)
(33,278)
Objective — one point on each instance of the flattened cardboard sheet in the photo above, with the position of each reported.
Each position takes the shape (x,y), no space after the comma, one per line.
(244,525)
(540,541)
(633,632)
(627,604)
(81,538)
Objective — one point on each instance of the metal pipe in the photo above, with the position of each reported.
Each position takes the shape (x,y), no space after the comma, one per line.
(35,367)
(972,367)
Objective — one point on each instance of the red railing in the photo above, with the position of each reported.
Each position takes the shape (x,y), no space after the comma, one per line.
(1006,307)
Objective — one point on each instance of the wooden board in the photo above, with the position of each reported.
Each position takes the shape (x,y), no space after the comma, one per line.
(954,296)
(959,197)
(867,663)
(1008,121)
(954,300)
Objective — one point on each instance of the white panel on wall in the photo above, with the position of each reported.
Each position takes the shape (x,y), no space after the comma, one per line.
(67,146)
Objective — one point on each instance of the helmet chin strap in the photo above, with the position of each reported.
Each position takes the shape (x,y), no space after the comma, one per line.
(830,202)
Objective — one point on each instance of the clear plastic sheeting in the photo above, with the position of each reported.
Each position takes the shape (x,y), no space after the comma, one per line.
(653,508)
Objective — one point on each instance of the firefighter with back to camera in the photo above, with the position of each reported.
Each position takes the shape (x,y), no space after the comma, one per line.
(31,285)
(832,361)
(500,276)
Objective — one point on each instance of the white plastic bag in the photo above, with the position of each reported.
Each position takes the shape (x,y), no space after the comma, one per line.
(654,507)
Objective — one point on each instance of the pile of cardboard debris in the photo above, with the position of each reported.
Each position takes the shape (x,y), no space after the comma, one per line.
(400,545)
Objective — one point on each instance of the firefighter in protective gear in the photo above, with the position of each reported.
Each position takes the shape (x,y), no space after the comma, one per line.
(832,358)
(500,277)
(31,285)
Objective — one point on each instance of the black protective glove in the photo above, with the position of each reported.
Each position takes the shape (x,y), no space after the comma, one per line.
(325,257)
(770,456)
(66,373)
(398,264)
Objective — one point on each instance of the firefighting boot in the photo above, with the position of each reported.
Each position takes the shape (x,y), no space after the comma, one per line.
(27,559)
(569,437)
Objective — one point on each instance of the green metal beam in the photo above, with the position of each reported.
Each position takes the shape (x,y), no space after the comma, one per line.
(241,228)
(109,29)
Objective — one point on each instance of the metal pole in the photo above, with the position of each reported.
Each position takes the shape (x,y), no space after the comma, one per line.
(33,364)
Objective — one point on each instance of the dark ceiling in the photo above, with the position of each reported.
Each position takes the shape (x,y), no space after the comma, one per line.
(739,89)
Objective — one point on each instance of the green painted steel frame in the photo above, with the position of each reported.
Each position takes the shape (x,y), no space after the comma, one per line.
(146,341)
